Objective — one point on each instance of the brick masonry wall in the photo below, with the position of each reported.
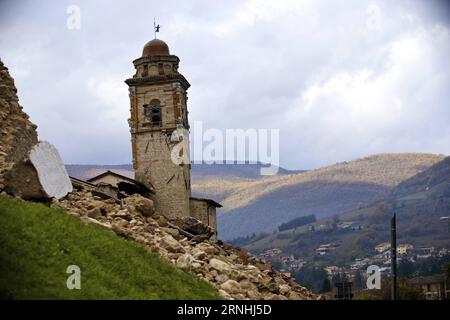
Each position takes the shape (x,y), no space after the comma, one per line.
(17,133)
(153,152)
(152,145)
(199,210)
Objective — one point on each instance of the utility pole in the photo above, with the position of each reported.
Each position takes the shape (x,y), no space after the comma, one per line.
(448,222)
(394,257)
(446,289)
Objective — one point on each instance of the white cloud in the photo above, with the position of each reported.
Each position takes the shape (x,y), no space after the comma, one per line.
(340,79)
(112,93)
(390,109)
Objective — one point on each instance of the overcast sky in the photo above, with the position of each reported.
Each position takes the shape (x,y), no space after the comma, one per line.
(340,79)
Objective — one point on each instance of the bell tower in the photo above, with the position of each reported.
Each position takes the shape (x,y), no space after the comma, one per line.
(159,117)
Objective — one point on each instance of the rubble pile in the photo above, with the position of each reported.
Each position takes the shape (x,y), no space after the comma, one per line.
(33,170)
(185,243)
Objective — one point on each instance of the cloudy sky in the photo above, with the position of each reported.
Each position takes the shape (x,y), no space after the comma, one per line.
(340,79)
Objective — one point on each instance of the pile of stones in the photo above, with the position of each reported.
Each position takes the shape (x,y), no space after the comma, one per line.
(186,244)
(33,170)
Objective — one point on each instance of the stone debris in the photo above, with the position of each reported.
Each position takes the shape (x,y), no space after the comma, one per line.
(235,273)
(143,205)
(33,170)
(40,175)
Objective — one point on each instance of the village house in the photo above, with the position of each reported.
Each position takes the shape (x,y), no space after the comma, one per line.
(443,252)
(110,177)
(333,270)
(359,263)
(297,264)
(325,248)
(425,252)
(434,287)
(321,251)
(404,249)
(382,247)
(347,225)
(269,254)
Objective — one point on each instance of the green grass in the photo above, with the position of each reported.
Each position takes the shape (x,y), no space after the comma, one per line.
(38,243)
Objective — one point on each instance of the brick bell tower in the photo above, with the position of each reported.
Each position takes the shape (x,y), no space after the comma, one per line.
(159,116)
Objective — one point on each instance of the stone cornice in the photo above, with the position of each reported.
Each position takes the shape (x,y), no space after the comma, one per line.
(148,59)
(167,78)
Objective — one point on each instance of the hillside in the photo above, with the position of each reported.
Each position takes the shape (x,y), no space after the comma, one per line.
(433,182)
(261,205)
(38,243)
(419,203)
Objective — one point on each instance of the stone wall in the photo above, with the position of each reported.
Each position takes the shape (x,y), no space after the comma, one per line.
(212,212)
(17,133)
(199,210)
(205,212)
(171,181)
(152,151)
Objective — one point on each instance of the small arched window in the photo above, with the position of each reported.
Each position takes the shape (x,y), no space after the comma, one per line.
(145,70)
(152,112)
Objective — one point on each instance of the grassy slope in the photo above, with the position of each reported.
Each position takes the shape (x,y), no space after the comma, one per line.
(38,243)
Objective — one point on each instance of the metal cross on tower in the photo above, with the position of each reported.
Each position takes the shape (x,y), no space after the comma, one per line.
(156,26)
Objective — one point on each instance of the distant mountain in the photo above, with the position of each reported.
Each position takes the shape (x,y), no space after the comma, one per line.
(87,171)
(200,172)
(419,202)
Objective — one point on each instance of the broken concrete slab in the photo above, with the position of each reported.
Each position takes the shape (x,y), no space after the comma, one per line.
(41,175)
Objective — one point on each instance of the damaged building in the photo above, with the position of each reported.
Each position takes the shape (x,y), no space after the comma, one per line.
(159,129)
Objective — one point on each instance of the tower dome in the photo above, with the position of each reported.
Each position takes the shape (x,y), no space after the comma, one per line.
(155,47)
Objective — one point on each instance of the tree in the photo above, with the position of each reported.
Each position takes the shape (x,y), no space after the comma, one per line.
(405,268)
(447,274)
(335,221)
(326,285)
(359,280)
(297,222)
(311,277)
(380,214)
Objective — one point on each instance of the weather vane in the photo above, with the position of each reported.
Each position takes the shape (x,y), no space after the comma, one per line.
(156,26)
